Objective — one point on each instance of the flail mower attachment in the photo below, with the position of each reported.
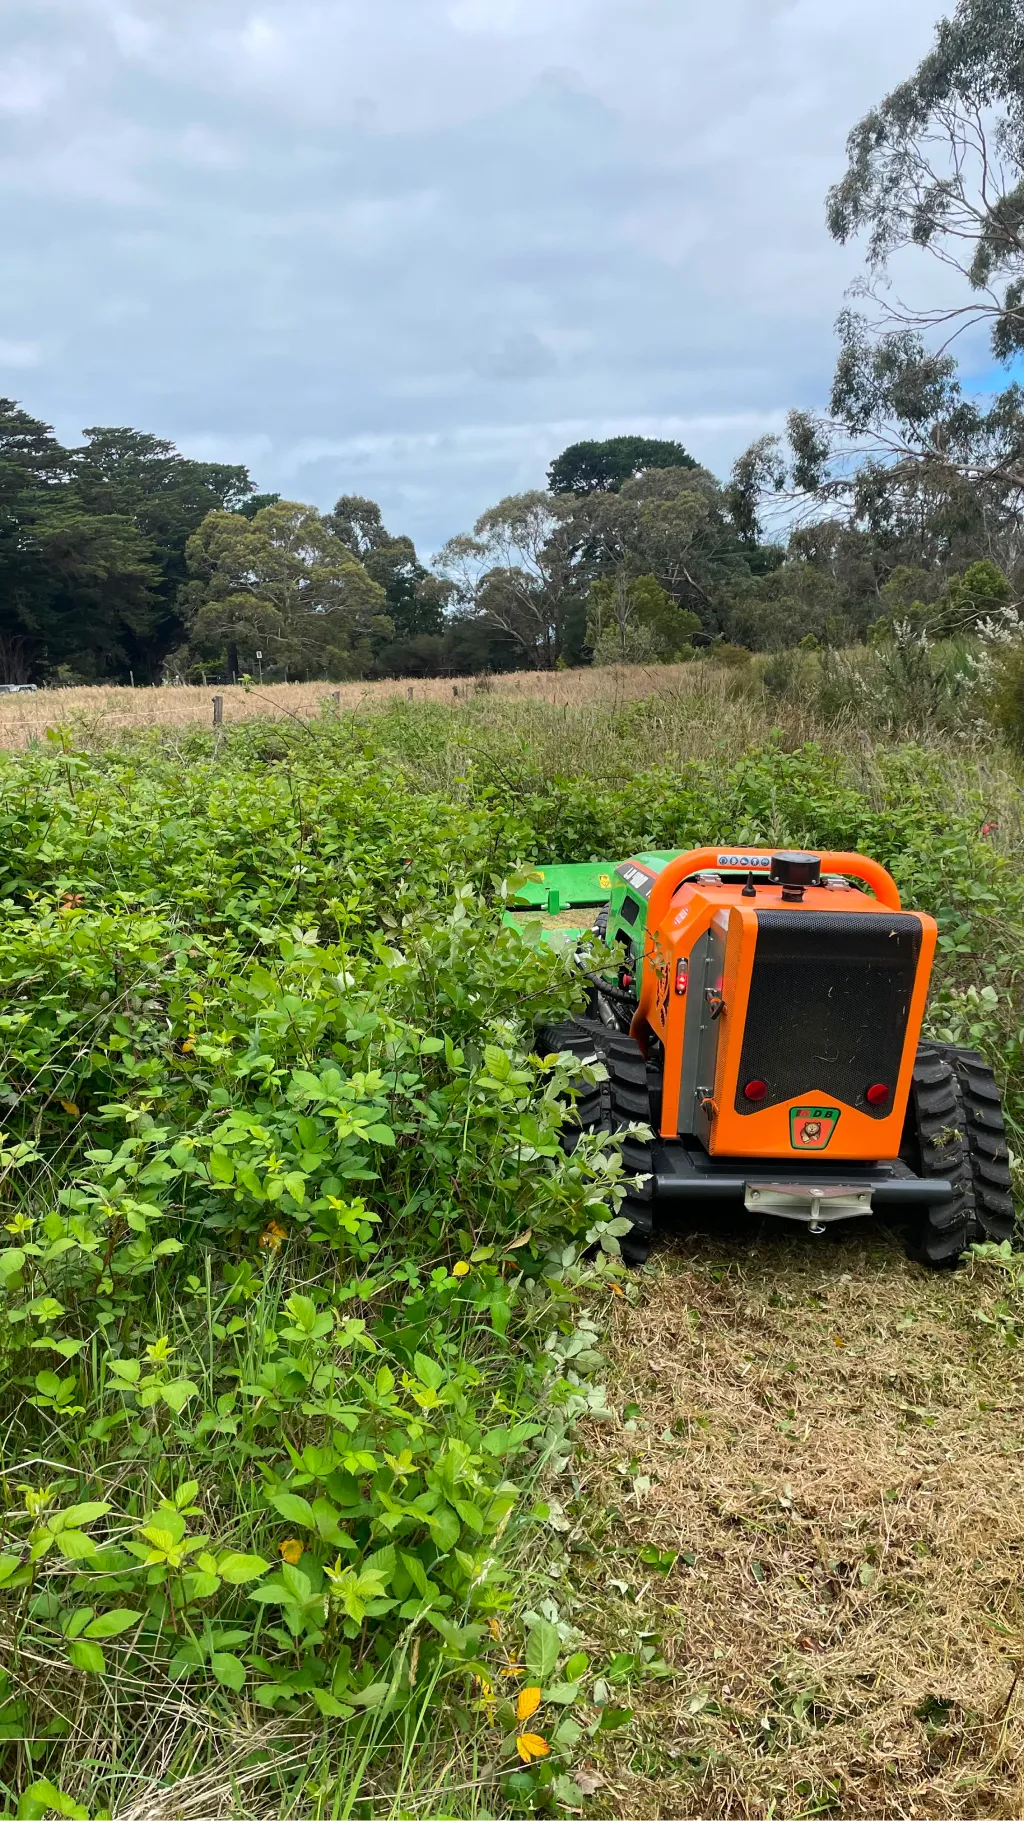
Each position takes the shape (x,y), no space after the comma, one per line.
(759,1015)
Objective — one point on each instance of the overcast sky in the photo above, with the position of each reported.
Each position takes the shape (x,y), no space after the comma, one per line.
(411,248)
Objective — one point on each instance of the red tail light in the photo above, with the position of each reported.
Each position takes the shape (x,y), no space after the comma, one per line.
(682,975)
(877,1094)
(756,1090)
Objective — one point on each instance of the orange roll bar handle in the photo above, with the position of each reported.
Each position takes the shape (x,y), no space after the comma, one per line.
(705,859)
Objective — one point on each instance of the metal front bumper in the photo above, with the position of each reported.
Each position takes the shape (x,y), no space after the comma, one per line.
(815,1193)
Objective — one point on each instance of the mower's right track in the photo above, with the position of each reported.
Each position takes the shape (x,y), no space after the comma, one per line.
(983,1131)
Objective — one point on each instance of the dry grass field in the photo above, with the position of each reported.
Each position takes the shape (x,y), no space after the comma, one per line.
(101,712)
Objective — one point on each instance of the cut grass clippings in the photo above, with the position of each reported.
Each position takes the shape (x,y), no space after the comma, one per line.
(821,1462)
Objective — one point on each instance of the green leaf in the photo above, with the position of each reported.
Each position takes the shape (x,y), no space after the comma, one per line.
(563,1693)
(229,1670)
(428,1371)
(75,1545)
(444,1527)
(303,1312)
(416,1572)
(374,1696)
(614,1718)
(543,1648)
(78,1621)
(304,1086)
(222,1167)
(45,1308)
(325,1517)
(112,1624)
(330,1706)
(568,1793)
(177,1393)
(381,1134)
(77,1515)
(383,1562)
(87,1656)
(200,1586)
(237,1569)
(294,1510)
(44,1798)
(498,1064)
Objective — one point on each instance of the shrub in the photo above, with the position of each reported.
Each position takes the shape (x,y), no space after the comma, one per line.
(1008,695)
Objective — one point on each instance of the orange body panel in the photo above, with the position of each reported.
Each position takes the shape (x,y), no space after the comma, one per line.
(679,914)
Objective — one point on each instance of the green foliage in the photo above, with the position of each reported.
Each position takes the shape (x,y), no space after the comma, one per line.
(905,683)
(979,593)
(415,600)
(633,620)
(285,1217)
(917,161)
(603,467)
(92,548)
(1008,697)
(283,584)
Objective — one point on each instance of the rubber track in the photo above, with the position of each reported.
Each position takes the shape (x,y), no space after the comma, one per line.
(988,1152)
(623,1100)
(940,1236)
(588,1039)
(630,1098)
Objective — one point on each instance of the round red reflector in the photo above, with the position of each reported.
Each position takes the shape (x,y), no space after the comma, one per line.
(756,1090)
(877,1094)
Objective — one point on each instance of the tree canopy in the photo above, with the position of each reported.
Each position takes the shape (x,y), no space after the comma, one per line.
(282,584)
(604,467)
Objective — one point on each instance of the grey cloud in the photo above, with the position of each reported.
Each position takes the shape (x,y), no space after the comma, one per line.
(403,245)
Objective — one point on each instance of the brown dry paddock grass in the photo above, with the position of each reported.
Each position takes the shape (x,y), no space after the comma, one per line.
(108,709)
(832,1448)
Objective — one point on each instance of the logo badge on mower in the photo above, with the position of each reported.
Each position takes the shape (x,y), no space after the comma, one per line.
(811,1128)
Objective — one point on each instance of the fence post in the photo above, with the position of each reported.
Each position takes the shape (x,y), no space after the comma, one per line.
(337,700)
(408,695)
(455,689)
(218,711)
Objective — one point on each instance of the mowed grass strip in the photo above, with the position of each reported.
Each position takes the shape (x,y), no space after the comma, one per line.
(828,1444)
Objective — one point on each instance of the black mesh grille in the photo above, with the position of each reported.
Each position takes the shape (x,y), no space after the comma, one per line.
(829,1002)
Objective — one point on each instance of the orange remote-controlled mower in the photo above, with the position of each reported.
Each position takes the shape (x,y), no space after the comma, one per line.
(759,1014)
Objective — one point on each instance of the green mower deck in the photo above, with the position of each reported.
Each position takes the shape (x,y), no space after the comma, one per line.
(544,907)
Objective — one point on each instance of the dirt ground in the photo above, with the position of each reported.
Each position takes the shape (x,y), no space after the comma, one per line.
(819,1452)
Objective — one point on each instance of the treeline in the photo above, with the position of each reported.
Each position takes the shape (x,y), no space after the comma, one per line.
(123,560)
(898,514)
